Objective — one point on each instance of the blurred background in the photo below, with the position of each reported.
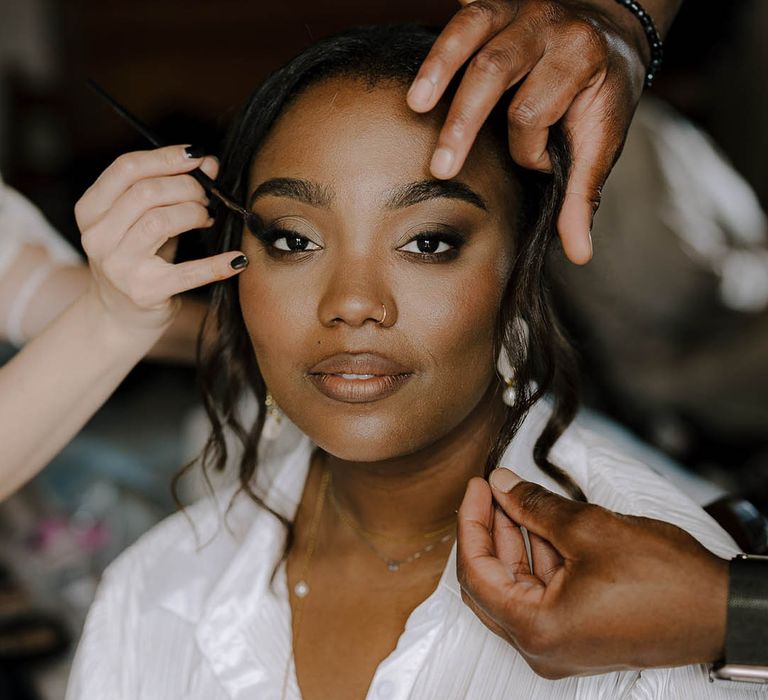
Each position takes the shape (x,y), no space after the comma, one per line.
(670,320)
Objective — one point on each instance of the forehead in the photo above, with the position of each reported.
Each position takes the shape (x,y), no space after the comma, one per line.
(345,133)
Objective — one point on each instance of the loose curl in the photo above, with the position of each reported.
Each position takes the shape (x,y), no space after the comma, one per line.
(541,359)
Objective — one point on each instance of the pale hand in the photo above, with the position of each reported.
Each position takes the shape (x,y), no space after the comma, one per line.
(129,219)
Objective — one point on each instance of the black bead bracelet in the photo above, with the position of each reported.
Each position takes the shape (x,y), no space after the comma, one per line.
(651,33)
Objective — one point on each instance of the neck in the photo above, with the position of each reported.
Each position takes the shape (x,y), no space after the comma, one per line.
(411,495)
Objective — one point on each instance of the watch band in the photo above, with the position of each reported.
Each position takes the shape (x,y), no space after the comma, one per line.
(746,630)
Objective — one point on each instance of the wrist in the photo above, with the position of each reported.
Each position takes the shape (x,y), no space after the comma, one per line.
(128,334)
(661,11)
(626,25)
(714,632)
(644,33)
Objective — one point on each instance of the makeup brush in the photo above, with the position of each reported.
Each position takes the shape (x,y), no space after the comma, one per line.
(208,184)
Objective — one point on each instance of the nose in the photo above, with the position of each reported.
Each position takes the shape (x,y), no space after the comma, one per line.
(356,294)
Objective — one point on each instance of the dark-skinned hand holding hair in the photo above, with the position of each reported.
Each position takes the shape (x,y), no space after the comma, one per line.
(582,61)
(607,591)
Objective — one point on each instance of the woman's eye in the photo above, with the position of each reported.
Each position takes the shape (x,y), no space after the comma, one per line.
(428,245)
(293,242)
(433,246)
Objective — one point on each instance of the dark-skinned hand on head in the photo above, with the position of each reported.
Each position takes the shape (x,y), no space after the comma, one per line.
(582,61)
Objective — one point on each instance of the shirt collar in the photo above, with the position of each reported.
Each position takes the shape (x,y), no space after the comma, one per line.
(227,609)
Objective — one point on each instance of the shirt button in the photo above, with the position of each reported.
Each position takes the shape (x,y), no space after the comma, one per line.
(385,690)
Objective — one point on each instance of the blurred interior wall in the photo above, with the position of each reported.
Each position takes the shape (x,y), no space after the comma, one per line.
(27,47)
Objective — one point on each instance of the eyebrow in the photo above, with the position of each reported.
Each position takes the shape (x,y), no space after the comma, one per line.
(317,195)
(415,192)
(306,191)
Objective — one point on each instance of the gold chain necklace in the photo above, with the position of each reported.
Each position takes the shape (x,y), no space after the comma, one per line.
(444,533)
(301,589)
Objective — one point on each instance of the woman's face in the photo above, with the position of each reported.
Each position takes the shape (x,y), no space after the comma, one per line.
(354,224)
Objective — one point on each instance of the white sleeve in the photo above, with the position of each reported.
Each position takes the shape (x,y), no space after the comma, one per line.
(105,662)
(22,223)
(692,683)
(624,485)
(627,486)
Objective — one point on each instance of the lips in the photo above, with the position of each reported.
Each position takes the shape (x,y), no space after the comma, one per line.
(358,377)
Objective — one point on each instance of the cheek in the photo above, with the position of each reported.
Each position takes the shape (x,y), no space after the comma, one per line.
(454,322)
(446,316)
(276,316)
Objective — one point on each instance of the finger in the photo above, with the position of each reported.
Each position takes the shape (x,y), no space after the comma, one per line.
(503,602)
(541,101)
(210,166)
(466,32)
(158,225)
(546,559)
(501,63)
(167,251)
(480,572)
(509,543)
(541,512)
(483,616)
(475,517)
(197,273)
(133,205)
(597,134)
(124,172)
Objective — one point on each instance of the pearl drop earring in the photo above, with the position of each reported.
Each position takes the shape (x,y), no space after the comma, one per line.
(273,421)
(507,372)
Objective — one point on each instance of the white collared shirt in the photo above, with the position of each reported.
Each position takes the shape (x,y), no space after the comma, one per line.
(190,614)
(22,224)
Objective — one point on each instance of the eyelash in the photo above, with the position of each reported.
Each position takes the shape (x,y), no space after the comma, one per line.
(454,240)
(270,236)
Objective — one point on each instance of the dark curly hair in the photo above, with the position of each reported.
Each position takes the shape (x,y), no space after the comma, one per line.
(542,361)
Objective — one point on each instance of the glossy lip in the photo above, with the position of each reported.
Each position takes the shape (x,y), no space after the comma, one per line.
(381,377)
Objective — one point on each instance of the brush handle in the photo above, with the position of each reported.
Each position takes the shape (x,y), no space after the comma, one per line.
(208,184)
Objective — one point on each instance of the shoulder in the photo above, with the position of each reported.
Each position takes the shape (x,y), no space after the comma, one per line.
(174,566)
(613,478)
(201,542)
(616,480)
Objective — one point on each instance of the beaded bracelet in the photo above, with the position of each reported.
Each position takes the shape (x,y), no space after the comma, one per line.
(651,33)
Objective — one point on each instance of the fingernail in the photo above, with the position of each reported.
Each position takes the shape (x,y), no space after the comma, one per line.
(442,162)
(421,92)
(503,479)
(239,262)
(194,152)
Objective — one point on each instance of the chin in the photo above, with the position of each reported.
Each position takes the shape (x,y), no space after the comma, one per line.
(366,438)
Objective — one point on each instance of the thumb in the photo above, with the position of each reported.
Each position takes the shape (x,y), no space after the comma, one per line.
(540,511)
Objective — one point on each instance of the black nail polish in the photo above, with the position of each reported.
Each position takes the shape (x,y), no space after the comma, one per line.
(239,262)
(194,151)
